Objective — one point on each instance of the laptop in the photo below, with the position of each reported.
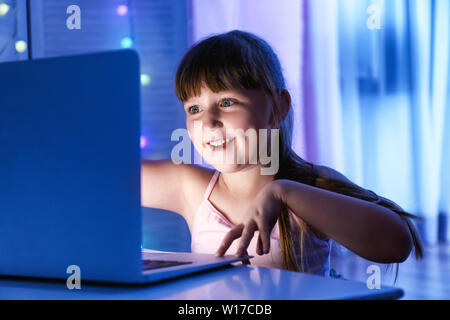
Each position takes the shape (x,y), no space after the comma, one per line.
(70,166)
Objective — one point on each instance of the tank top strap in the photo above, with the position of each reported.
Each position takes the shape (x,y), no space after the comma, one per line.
(211,184)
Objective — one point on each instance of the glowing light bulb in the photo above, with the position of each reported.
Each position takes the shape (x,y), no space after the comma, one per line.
(21,46)
(145,79)
(122,10)
(4,8)
(126,42)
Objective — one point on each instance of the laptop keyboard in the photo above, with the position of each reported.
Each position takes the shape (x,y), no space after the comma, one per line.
(155,264)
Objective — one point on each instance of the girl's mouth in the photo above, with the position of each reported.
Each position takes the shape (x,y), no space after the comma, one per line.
(219,144)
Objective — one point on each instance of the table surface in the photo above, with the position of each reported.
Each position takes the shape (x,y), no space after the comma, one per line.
(227,283)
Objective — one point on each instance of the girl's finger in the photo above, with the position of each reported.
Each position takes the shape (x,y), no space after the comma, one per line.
(259,246)
(229,238)
(265,239)
(247,235)
(246,262)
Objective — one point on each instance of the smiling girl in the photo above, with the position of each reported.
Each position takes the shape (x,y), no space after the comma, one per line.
(233,82)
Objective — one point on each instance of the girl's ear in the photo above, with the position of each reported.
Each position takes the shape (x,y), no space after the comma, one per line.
(284,99)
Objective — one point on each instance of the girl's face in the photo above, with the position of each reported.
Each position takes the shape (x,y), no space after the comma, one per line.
(225,126)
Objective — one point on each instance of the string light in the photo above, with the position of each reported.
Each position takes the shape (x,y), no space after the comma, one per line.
(144,142)
(126,42)
(122,10)
(145,79)
(21,46)
(4,8)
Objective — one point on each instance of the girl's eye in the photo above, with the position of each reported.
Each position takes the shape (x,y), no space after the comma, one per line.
(227,102)
(193,109)
(224,103)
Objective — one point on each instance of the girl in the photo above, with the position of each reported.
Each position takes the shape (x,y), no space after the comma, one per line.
(286,220)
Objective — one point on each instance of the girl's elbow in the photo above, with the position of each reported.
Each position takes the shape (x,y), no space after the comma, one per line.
(395,249)
(394,253)
(400,243)
(401,247)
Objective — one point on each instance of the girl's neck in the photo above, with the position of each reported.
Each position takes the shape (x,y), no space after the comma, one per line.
(245,184)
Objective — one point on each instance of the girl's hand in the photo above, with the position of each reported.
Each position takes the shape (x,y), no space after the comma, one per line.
(262,216)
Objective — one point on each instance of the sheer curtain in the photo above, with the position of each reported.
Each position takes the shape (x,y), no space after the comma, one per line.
(378,100)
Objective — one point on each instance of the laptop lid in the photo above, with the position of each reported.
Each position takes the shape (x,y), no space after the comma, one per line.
(70,167)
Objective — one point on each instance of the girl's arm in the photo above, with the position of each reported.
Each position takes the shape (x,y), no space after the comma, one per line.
(162,185)
(370,230)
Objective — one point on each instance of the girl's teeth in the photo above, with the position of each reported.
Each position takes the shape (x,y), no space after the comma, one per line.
(220,142)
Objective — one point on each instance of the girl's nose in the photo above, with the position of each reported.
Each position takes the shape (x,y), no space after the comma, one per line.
(212,119)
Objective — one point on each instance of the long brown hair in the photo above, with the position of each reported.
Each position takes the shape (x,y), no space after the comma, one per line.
(239,59)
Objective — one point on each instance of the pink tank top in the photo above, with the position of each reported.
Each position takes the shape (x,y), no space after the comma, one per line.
(210,227)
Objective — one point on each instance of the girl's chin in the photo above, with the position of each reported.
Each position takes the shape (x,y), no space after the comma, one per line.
(225,160)
(227,166)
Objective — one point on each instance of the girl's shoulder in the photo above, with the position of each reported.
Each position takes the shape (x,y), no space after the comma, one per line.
(198,175)
(171,186)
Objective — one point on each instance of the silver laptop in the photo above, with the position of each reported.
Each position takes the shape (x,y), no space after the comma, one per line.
(70,173)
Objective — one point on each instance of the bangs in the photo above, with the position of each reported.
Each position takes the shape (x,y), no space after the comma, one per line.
(222,62)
